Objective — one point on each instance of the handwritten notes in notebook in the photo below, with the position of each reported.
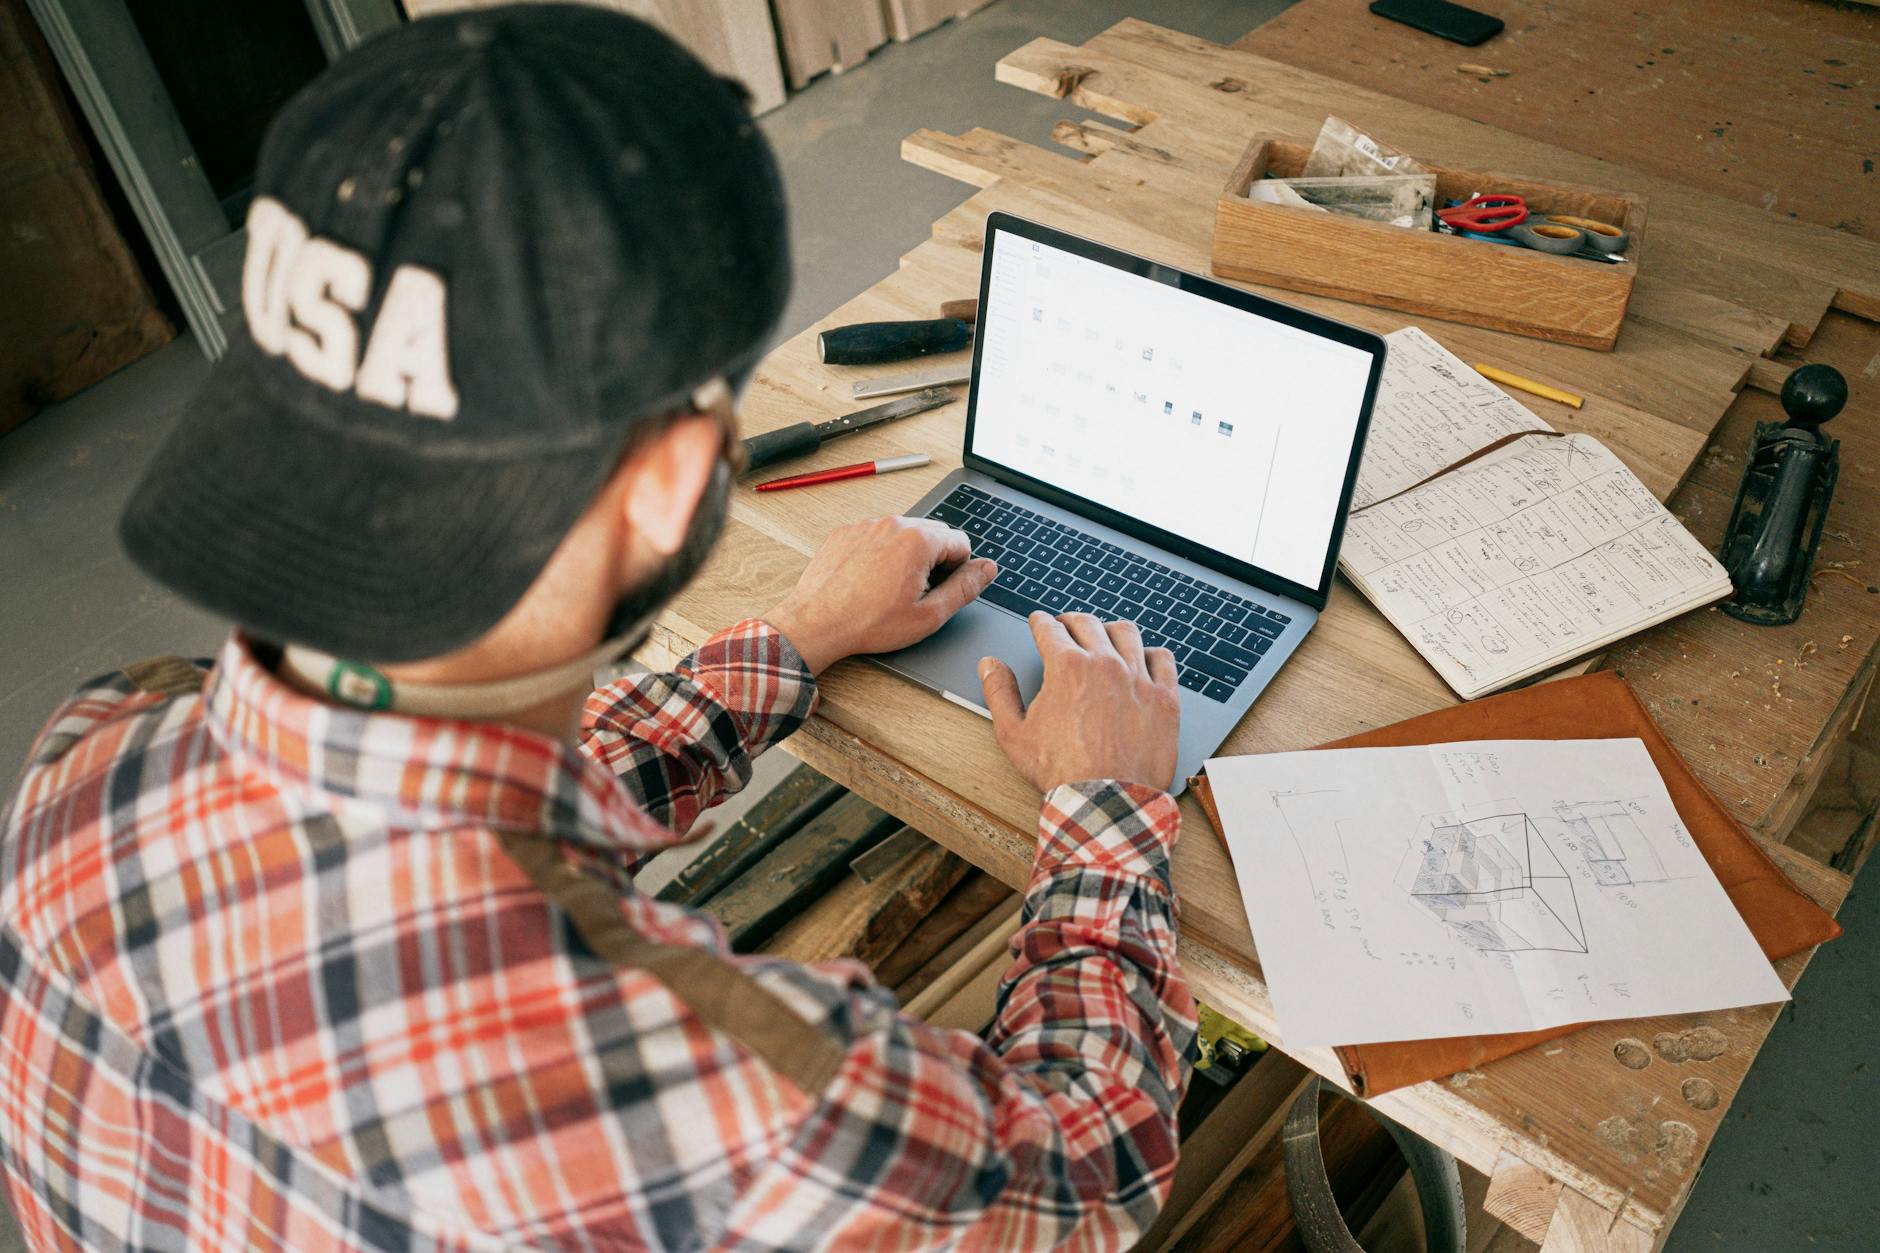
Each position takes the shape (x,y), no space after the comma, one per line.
(1432,411)
(1533,555)
(1477,888)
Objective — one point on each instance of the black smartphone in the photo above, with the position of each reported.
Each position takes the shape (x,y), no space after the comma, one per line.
(1440,18)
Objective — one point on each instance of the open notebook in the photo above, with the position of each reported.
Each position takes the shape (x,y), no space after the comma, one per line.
(1505,563)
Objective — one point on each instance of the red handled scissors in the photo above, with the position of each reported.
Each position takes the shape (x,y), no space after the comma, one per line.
(1486,213)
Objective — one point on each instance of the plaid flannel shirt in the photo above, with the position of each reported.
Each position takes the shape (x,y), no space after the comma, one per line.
(267,980)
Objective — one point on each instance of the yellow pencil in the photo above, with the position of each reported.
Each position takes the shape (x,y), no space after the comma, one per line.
(1528,385)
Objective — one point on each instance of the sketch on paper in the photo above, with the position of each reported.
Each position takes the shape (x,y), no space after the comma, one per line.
(1615,847)
(1478,887)
(1494,882)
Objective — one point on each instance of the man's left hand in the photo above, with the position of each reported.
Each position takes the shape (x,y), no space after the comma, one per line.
(877,586)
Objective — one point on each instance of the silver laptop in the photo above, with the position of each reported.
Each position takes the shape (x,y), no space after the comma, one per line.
(1150,445)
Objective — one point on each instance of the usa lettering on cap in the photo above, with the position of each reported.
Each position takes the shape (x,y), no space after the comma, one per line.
(302,295)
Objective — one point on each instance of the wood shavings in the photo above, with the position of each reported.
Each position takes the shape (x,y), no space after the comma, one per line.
(1483,72)
(1845,641)
(1839,574)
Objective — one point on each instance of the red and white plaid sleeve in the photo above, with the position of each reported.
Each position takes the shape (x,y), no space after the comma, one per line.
(682,742)
(1058,1129)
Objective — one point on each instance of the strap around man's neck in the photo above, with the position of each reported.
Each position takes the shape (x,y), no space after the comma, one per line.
(362,686)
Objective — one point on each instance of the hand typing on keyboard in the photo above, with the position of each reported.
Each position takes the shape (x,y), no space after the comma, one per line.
(1108,708)
(1218,637)
(877,586)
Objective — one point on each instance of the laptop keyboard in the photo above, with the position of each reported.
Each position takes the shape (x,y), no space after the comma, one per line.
(1218,638)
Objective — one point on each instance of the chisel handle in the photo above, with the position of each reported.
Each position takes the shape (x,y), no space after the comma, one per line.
(872,343)
(798,440)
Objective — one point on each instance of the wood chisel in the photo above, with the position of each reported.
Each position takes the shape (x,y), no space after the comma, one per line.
(872,343)
(913,380)
(803,438)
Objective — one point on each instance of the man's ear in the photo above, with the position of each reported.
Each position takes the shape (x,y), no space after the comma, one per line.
(664,480)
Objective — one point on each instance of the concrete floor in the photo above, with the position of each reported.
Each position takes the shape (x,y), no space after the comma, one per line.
(1793,1169)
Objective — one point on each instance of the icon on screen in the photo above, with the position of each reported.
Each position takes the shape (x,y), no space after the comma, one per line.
(1226,428)
(1194,419)
(1168,406)
(1148,354)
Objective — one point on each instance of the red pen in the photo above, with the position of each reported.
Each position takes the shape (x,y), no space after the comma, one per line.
(860,470)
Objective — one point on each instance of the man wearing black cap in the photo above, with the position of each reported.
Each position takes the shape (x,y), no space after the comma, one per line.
(334,944)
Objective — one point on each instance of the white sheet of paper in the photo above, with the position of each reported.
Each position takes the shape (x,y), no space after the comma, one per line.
(1477,888)
(1534,554)
(1432,411)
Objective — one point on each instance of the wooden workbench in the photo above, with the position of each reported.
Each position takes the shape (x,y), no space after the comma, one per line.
(1581,1150)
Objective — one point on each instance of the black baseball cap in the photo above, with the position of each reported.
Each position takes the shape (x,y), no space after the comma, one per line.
(484,246)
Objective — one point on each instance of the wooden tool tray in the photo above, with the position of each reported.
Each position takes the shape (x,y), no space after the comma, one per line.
(1571,300)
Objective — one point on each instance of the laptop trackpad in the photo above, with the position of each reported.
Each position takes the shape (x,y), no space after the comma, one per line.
(948,660)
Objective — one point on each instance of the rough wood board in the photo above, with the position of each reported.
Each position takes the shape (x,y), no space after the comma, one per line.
(801,796)
(1773,106)
(798,869)
(734,37)
(866,920)
(908,18)
(819,35)
(968,905)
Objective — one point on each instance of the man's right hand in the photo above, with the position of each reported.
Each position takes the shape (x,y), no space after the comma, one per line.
(1109,709)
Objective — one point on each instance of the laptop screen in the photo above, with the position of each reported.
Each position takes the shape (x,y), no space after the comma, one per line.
(1227,428)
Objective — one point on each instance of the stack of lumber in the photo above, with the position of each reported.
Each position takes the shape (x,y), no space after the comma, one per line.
(814,873)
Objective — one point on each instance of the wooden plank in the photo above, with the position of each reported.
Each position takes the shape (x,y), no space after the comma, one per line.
(804,865)
(734,37)
(865,919)
(971,903)
(819,35)
(956,949)
(779,814)
(1766,108)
